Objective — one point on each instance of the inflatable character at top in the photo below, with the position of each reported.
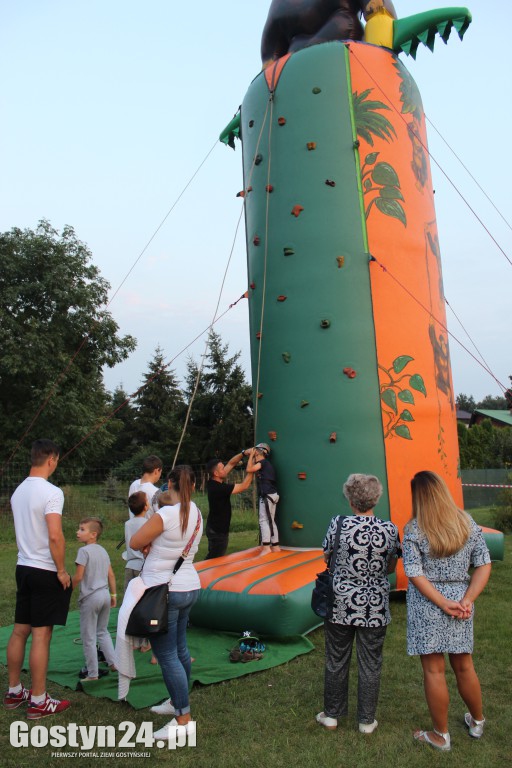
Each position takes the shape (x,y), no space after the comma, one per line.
(349,346)
(296,24)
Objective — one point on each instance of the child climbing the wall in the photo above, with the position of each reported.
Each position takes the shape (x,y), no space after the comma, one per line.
(268,498)
(97,596)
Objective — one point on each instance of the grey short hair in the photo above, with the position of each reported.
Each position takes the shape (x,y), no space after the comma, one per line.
(362,491)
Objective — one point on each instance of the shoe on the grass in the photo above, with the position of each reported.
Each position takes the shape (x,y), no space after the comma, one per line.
(328,722)
(475,727)
(165,708)
(48,707)
(15,700)
(368,727)
(84,674)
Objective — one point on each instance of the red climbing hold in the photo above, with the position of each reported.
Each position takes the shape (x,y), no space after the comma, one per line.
(256,240)
(297,210)
(281,121)
(282,298)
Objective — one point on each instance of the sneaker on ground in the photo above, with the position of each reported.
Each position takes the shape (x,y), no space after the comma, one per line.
(329,722)
(165,708)
(48,707)
(368,727)
(15,700)
(475,727)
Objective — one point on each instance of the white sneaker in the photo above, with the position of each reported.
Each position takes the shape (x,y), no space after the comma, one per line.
(475,727)
(368,727)
(165,708)
(163,733)
(328,722)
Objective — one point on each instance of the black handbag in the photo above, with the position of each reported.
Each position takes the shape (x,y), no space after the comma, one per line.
(322,597)
(149,614)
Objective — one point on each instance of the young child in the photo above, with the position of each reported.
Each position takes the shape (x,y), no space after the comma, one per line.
(139,505)
(268,498)
(97,595)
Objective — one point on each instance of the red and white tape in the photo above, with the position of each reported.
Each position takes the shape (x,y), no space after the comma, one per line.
(483,485)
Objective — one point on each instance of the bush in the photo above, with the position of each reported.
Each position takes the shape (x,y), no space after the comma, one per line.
(502,512)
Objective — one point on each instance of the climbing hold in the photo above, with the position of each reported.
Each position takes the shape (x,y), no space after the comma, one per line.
(311,145)
(297,210)
(288,251)
(350,373)
(286,357)
(281,121)
(333,437)
(304,403)
(272,435)
(325,323)
(317,90)
(259,395)
(251,123)
(330,183)
(258,334)
(258,159)
(282,298)
(269,188)
(341,261)
(301,475)
(297,526)
(256,240)
(253,286)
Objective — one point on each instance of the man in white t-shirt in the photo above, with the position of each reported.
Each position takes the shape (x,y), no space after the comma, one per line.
(42,581)
(151,474)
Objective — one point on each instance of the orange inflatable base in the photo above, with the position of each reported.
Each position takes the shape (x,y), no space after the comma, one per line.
(270,595)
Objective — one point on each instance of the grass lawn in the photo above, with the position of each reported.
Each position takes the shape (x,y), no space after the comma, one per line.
(267,718)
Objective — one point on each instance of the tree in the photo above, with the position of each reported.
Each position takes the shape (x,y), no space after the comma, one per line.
(159,410)
(55,337)
(465,403)
(122,427)
(493,403)
(221,421)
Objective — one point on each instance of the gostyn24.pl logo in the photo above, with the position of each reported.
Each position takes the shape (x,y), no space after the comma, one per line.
(126,735)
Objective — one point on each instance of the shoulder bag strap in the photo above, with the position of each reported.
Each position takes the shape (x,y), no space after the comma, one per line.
(181,558)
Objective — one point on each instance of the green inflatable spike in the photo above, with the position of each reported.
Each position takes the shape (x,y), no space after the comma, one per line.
(408,32)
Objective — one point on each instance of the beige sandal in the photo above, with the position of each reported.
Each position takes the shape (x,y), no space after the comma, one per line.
(424,738)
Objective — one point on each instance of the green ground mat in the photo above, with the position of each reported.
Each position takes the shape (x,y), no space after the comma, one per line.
(209,648)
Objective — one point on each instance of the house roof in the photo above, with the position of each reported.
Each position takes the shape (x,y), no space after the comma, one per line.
(504,417)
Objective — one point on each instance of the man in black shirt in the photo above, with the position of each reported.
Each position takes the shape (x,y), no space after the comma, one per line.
(219,501)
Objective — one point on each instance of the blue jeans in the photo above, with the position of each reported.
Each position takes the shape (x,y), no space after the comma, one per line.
(172,652)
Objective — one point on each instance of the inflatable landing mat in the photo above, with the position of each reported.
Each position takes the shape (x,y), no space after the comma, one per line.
(270,595)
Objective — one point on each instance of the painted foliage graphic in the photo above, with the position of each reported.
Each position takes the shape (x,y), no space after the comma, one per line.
(398,392)
(377,176)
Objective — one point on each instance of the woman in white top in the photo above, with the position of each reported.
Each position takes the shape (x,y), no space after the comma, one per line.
(163,539)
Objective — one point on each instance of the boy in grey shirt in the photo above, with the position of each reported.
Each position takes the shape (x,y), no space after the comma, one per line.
(97,595)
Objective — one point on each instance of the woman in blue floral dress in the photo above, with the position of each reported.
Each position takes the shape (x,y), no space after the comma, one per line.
(367,552)
(441,543)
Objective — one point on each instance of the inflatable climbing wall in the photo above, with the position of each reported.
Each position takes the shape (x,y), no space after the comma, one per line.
(350,358)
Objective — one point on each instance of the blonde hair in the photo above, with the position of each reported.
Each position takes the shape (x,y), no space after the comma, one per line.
(362,491)
(446,527)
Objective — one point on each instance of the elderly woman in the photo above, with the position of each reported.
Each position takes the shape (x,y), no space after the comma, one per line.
(441,544)
(367,553)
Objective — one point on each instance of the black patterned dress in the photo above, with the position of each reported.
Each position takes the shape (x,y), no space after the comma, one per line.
(361,586)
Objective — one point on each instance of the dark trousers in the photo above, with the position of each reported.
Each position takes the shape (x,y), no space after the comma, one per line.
(339,639)
(217,543)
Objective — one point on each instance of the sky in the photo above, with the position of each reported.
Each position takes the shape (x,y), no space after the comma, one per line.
(111,106)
